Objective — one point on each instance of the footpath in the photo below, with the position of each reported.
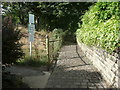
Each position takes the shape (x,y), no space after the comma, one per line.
(74,70)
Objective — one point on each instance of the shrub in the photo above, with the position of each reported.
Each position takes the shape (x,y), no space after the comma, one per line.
(58,34)
(10,40)
(100,26)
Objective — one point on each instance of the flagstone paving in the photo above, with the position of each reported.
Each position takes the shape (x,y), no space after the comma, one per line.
(74,70)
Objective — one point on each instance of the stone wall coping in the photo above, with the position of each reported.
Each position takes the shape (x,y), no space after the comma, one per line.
(113,56)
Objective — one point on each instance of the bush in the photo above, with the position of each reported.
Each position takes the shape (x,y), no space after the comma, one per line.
(58,34)
(100,26)
(56,38)
(10,40)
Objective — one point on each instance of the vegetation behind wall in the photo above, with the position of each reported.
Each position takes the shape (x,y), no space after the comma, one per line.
(100,26)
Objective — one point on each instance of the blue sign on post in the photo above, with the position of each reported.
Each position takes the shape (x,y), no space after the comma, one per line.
(31,30)
(31,37)
(31,18)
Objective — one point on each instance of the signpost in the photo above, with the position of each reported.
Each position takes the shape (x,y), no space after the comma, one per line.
(31,30)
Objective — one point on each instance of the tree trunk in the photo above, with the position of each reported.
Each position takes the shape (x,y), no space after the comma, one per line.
(37,23)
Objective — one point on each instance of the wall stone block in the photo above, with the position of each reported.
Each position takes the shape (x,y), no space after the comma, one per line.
(107,64)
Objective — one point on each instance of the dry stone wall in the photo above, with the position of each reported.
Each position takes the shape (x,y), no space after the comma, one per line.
(107,64)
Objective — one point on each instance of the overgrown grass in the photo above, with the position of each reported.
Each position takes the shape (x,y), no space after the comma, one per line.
(33,61)
(39,55)
(57,36)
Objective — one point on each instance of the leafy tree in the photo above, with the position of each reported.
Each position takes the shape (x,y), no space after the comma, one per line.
(17,10)
(48,15)
(11,48)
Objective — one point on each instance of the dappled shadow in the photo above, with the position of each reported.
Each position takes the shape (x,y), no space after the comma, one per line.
(80,56)
(69,43)
(73,70)
(73,53)
(77,65)
(70,77)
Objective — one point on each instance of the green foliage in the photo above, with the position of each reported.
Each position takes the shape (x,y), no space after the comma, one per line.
(49,15)
(17,10)
(56,41)
(57,34)
(10,37)
(33,61)
(39,57)
(100,26)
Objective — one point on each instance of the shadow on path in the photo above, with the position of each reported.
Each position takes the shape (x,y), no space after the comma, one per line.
(74,70)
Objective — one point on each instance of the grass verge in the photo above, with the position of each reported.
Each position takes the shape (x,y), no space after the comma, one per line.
(33,61)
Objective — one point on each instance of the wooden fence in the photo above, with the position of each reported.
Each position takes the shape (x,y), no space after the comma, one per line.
(52,47)
(47,46)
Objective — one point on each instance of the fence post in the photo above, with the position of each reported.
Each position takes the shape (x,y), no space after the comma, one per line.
(59,40)
(53,50)
(47,51)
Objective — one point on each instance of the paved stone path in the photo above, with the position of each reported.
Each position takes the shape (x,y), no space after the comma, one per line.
(74,70)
